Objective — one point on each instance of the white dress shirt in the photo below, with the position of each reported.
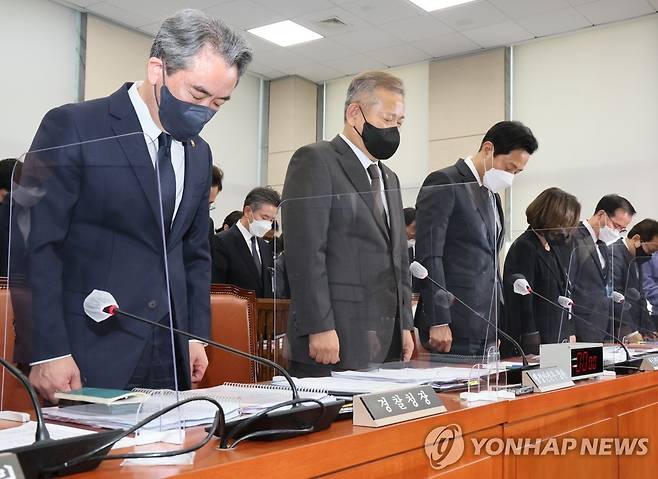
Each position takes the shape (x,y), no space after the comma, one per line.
(151,134)
(366,162)
(246,234)
(595,239)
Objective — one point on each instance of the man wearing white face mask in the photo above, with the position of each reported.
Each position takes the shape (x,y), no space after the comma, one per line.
(240,255)
(459,233)
(589,265)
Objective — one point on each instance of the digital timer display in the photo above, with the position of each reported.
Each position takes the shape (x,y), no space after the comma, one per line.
(586,361)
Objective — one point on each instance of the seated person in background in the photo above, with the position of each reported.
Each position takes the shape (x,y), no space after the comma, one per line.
(215,187)
(410,222)
(588,264)
(529,319)
(232,218)
(274,240)
(628,256)
(240,255)
(650,286)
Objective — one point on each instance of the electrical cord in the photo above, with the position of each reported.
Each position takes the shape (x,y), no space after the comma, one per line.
(219,421)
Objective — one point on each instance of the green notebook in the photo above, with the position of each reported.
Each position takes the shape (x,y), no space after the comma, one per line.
(102,396)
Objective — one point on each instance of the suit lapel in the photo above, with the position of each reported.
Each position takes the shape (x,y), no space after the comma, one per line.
(245,251)
(478,200)
(358,177)
(193,177)
(125,125)
(592,249)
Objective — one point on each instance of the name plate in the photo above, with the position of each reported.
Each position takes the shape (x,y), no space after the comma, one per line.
(396,405)
(10,468)
(546,379)
(649,363)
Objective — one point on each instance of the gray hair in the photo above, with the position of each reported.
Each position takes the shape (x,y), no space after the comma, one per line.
(362,88)
(183,34)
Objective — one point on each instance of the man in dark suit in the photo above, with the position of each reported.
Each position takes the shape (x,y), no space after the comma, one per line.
(240,255)
(346,249)
(628,256)
(96,218)
(588,264)
(459,233)
(410,223)
(217,176)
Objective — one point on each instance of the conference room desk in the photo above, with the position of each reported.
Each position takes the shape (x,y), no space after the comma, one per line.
(625,406)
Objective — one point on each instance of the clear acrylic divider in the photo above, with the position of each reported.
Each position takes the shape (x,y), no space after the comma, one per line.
(345,268)
(87,250)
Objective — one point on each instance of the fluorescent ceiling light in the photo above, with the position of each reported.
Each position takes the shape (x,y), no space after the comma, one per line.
(431,5)
(285,33)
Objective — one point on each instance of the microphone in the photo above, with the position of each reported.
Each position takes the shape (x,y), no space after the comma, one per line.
(271,423)
(419,271)
(565,303)
(45,452)
(101,305)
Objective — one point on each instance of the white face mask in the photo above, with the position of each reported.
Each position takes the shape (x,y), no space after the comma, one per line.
(259,228)
(411,243)
(608,235)
(497,180)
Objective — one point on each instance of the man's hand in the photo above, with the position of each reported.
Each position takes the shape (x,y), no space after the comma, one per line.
(324,347)
(198,361)
(441,338)
(50,377)
(407,345)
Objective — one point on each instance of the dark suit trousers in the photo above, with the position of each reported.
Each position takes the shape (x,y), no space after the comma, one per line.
(155,369)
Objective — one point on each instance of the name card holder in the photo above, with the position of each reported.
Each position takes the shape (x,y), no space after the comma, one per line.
(546,379)
(649,363)
(396,405)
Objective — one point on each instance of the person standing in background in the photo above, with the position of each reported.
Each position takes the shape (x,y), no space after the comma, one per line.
(217,176)
(650,286)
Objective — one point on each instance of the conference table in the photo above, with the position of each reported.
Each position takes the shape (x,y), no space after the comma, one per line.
(605,407)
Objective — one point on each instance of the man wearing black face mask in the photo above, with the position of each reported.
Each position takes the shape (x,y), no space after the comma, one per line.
(628,256)
(129,194)
(346,245)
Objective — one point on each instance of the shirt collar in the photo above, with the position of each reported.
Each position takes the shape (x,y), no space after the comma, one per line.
(149,127)
(365,161)
(469,162)
(245,232)
(591,230)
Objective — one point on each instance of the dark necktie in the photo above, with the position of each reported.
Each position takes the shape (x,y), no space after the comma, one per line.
(254,253)
(167,180)
(376,188)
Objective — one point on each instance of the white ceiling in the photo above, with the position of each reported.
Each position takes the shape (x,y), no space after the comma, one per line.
(378,33)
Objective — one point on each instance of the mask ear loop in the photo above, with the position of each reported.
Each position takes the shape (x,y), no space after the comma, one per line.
(364,118)
(155,94)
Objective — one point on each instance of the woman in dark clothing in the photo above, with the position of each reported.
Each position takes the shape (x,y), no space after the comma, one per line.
(529,319)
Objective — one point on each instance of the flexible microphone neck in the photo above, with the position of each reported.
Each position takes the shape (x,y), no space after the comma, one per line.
(489,322)
(41,432)
(114,310)
(589,323)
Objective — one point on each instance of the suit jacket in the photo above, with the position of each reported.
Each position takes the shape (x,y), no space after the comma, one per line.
(633,314)
(529,314)
(347,270)
(457,241)
(650,282)
(93,222)
(589,283)
(232,263)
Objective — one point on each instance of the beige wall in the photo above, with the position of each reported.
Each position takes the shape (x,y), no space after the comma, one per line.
(292,123)
(466,97)
(592,100)
(116,55)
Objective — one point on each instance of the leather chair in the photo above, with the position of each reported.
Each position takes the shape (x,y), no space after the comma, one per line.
(13,396)
(233,322)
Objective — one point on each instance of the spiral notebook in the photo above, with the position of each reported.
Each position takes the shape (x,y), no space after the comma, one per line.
(256,397)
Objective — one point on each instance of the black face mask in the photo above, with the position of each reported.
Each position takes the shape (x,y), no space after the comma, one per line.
(557,237)
(381,143)
(180,119)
